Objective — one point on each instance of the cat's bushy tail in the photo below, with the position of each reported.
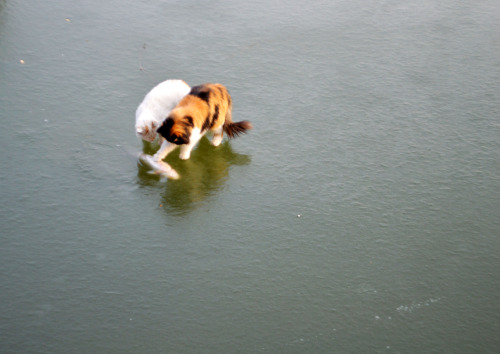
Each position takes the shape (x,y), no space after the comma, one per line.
(233,129)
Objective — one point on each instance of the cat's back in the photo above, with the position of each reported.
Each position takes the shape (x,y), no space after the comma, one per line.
(163,97)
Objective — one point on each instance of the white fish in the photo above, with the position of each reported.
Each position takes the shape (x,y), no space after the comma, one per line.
(159,167)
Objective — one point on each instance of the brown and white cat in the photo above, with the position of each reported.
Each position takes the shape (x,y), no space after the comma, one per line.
(206,108)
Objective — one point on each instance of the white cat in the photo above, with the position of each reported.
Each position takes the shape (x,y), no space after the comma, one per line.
(157,105)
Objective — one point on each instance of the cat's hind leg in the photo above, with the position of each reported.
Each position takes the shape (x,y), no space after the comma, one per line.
(193,140)
(218,135)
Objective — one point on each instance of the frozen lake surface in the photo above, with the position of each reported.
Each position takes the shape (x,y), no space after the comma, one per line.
(361,214)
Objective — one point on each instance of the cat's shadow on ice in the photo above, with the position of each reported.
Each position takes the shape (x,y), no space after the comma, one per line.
(201,176)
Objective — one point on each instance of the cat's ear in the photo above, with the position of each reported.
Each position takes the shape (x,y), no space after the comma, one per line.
(164,128)
(144,130)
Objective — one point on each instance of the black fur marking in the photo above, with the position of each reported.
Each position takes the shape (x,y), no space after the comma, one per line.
(206,124)
(164,128)
(210,121)
(164,131)
(215,116)
(201,92)
(178,139)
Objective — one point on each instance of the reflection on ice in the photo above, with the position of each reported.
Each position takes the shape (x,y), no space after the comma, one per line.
(199,177)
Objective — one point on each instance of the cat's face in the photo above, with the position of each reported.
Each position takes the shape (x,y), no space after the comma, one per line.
(147,131)
(176,129)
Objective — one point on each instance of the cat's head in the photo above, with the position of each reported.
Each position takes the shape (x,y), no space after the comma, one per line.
(147,131)
(145,125)
(176,128)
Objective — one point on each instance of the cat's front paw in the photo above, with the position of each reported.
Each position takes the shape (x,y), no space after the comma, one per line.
(157,158)
(184,155)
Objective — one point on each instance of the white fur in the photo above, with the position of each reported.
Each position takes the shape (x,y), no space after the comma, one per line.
(218,135)
(157,105)
(167,147)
